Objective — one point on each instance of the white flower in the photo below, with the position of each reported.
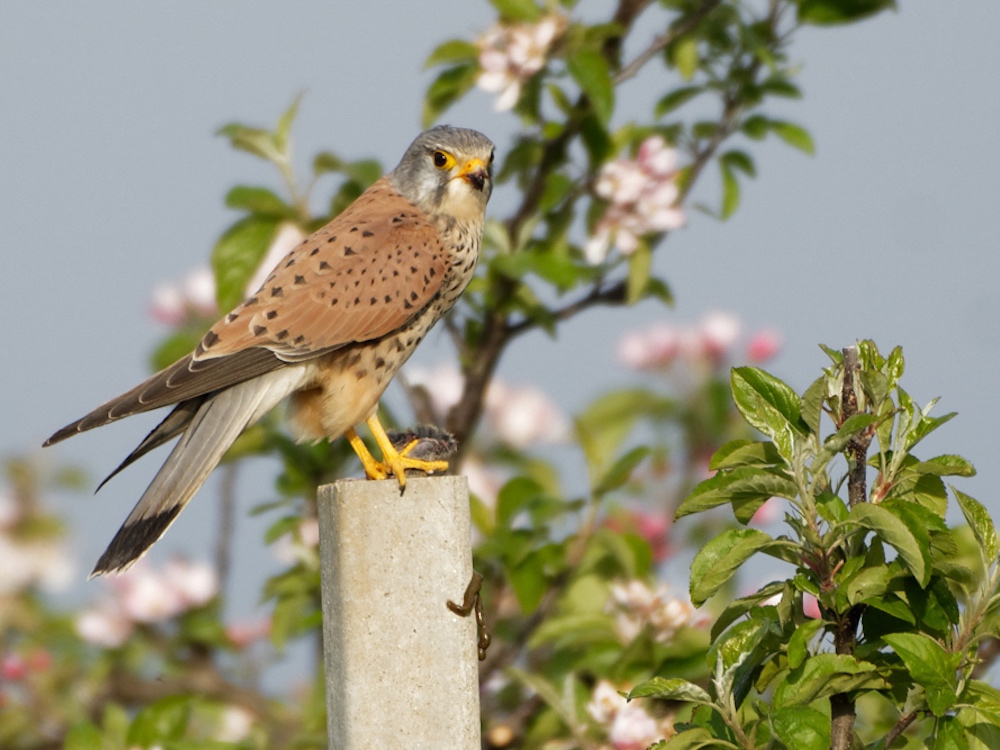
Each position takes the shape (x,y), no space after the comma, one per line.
(642,194)
(633,728)
(635,606)
(173,303)
(27,563)
(235,724)
(196,583)
(510,54)
(104,625)
(443,383)
(524,415)
(605,702)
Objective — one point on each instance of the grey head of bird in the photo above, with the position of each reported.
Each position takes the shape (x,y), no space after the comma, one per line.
(447,171)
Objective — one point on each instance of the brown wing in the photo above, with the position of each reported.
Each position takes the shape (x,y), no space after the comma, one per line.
(362,276)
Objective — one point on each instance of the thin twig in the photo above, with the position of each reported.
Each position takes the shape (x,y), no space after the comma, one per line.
(663,40)
(898,729)
(227,523)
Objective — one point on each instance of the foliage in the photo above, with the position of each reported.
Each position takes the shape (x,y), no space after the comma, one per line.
(575,568)
(905,601)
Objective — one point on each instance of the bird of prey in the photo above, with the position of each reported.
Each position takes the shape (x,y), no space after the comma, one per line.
(330,327)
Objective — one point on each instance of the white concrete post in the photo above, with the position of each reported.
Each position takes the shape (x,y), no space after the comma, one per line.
(402,670)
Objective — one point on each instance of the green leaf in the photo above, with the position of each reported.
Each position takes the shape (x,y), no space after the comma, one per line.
(259,200)
(261,143)
(165,719)
(284,129)
(768,404)
(673,689)
(452,51)
(84,736)
(930,666)
(801,727)
(915,552)
(794,135)
(745,453)
(741,161)
(945,466)
(743,485)
(590,70)
(446,89)
(824,12)
(981,524)
(716,562)
(852,427)
(514,496)
(730,191)
(685,56)
(606,422)
(798,644)
(640,266)
(236,256)
(823,675)
(676,98)
(620,471)
(528,580)
(517,10)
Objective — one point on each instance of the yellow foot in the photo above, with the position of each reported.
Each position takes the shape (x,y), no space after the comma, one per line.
(394,462)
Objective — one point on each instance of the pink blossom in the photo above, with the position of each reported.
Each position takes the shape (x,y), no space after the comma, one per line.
(443,383)
(763,345)
(300,546)
(13,668)
(522,415)
(510,54)
(633,728)
(235,724)
(146,596)
(810,607)
(29,562)
(719,332)
(653,527)
(629,725)
(243,634)
(484,481)
(642,195)
(196,583)
(605,702)
(767,513)
(104,625)
(636,606)
(174,303)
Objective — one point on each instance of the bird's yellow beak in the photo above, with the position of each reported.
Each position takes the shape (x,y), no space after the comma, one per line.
(475,172)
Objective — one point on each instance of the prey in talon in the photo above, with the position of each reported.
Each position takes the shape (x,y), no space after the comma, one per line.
(329,328)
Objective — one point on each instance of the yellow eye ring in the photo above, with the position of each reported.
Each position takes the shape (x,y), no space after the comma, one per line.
(443,160)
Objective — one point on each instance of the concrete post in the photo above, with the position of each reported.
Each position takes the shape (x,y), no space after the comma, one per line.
(401,669)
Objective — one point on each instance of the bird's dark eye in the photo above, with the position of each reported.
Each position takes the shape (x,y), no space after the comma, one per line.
(492,154)
(442,160)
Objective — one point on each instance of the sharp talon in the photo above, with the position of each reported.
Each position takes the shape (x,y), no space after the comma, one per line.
(472,600)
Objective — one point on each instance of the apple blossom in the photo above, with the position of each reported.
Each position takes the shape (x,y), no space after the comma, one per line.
(642,195)
(511,53)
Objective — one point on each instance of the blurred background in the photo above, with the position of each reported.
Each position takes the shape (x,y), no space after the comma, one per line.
(113,184)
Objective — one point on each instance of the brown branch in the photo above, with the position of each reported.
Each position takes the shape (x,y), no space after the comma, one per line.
(612,295)
(842,708)
(227,523)
(663,40)
(898,729)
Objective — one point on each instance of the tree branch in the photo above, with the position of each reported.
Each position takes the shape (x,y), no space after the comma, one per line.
(663,40)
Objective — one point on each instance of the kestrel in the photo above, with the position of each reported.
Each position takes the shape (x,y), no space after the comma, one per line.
(330,327)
